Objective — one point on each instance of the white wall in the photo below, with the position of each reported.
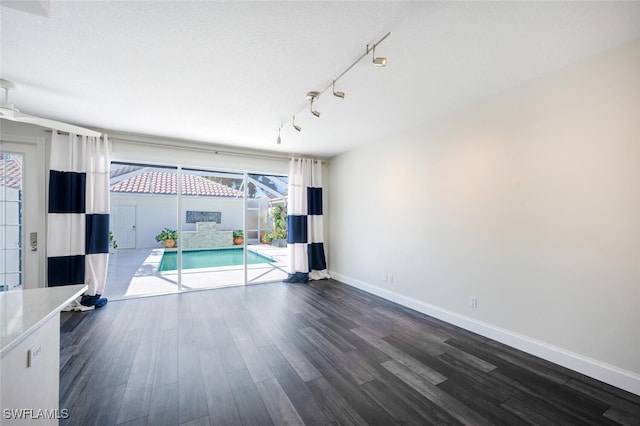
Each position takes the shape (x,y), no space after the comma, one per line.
(529,201)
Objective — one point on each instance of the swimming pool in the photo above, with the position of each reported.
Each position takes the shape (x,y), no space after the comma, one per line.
(209,258)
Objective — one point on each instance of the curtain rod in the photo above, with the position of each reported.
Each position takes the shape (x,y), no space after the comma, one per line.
(208,150)
(314,160)
(60,132)
(199,149)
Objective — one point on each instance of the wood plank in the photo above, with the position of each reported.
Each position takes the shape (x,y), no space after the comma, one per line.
(192,401)
(166,365)
(251,355)
(278,404)
(395,353)
(552,400)
(137,395)
(392,404)
(329,334)
(220,403)
(163,408)
(296,359)
(251,408)
(479,402)
(367,350)
(527,413)
(362,403)
(458,410)
(621,417)
(344,363)
(334,403)
(607,394)
(460,373)
(295,389)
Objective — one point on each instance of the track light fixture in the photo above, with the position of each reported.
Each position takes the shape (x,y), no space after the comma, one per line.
(337,94)
(380,61)
(293,122)
(312,97)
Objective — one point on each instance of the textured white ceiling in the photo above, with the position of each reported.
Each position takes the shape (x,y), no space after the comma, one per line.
(230,72)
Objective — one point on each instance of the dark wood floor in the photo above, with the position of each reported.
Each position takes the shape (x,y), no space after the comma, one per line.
(318,354)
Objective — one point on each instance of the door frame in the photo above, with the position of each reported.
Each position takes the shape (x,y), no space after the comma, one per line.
(34,205)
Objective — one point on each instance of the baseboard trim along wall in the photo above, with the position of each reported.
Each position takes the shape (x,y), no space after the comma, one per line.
(610,374)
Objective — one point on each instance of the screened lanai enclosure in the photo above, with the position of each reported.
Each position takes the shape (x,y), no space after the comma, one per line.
(178,229)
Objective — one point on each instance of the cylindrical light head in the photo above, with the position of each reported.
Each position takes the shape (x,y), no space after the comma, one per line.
(293,122)
(380,61)
(316,113)
(337,94)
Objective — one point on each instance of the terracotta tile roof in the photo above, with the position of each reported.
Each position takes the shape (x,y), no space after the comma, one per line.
(122,169)
(10,172)
(166,183)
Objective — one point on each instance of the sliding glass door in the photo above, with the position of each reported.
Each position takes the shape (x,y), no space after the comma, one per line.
(222,223)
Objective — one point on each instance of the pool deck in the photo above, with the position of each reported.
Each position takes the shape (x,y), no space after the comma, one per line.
(134,273)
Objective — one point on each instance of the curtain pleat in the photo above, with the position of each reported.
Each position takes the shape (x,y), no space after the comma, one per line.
(78,211)
(305,236)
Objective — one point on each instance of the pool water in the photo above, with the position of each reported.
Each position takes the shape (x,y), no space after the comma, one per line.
(209,258)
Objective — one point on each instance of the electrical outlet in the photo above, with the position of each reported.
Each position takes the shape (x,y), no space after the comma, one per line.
(473,302)
(33,354)
(390,278)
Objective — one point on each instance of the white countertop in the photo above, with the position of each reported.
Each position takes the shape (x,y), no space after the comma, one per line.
(24,311)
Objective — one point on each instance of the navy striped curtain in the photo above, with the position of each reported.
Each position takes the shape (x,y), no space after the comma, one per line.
(78,213)
(305,231)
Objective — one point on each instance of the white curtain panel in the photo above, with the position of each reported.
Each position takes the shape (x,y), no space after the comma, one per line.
(78,213)
(305,235)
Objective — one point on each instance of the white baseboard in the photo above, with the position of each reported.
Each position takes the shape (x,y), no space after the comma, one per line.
(604,372)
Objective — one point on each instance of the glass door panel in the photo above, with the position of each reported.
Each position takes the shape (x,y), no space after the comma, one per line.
(144,202)
(265,244)
(212,222)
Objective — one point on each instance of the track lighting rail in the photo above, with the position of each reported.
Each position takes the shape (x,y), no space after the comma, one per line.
(315,95)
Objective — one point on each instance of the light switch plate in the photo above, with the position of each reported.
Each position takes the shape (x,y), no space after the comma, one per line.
(33,354)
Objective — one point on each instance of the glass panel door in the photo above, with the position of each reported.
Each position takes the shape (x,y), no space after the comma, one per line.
(144,230)
(266,237)
(212,221)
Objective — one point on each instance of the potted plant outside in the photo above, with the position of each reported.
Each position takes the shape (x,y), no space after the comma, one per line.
(112,241)
(278,236)
(238,237)
(169,237)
